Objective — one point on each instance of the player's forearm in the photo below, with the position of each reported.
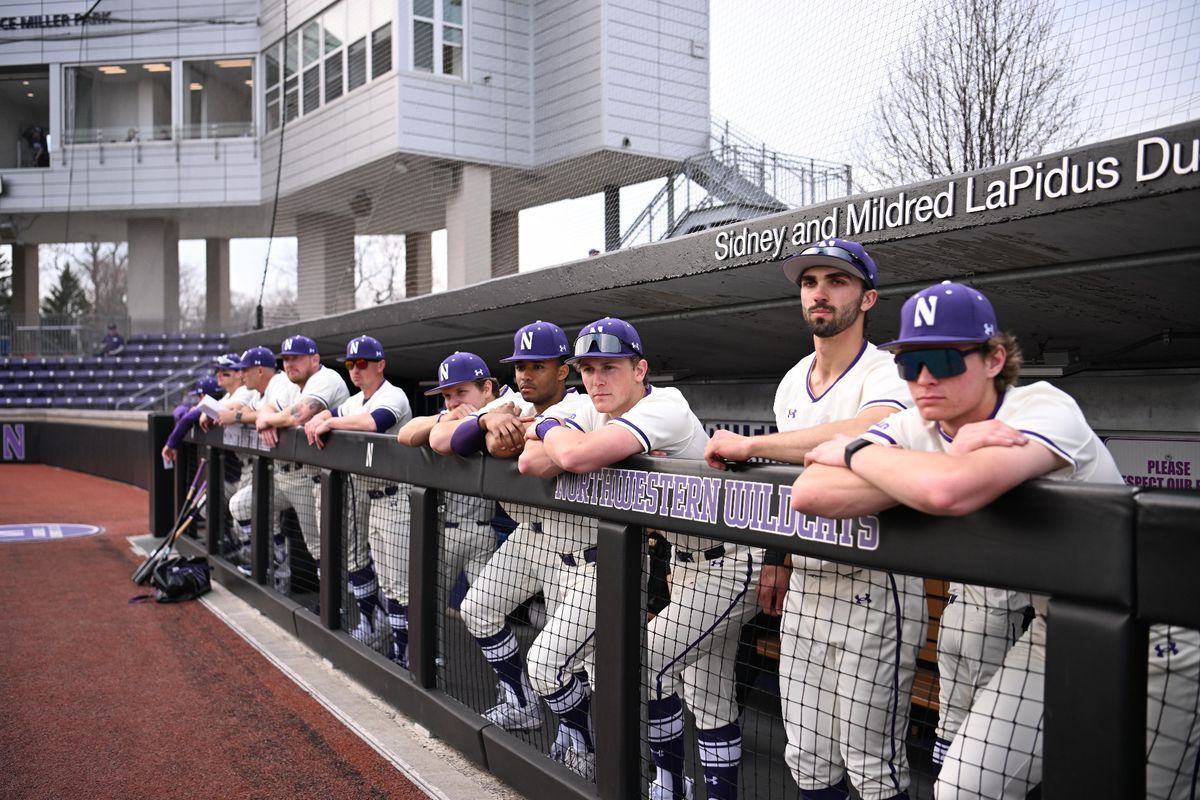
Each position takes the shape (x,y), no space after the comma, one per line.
(442,435)
(791,446)
(362,421)
(535,462)
(944,484)
(416,432)
(836,492)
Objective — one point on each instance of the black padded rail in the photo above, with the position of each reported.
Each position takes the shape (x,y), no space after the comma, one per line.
(1168,552)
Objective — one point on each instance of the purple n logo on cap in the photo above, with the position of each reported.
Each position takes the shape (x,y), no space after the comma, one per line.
(945,313)
(459,368)
(538,341)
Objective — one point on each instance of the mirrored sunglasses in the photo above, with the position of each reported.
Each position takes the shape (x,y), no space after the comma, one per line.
(602,343)
(836,252)
(357,363)
(942,362)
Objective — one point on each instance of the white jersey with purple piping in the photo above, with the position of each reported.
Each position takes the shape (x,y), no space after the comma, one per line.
(279,394)
(870,381)
(1049,417)
(567,532)
(242,396)
(386,398)
(326,387)
(661,421)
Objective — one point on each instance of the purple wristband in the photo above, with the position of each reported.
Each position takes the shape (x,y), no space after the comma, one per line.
(545,426)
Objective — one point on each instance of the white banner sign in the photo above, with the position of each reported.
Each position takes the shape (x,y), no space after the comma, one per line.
(1157,463)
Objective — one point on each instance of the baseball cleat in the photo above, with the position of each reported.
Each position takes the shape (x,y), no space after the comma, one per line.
(581,762)
(660,792)
(513,717)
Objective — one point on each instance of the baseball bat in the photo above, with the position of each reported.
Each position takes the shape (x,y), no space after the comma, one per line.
(190,508)
(187,499)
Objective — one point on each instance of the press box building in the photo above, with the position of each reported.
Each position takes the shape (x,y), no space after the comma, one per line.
(165,120)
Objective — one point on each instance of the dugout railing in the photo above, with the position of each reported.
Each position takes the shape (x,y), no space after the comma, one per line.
(1112,559)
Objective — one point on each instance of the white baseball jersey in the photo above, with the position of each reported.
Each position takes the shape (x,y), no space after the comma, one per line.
(279,394)
(1049,417)
(662,420)
(242,395)
(326,387)
(386,398)
(870,380)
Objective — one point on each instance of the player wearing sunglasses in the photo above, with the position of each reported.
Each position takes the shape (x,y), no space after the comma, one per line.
(973,436)
(378,407)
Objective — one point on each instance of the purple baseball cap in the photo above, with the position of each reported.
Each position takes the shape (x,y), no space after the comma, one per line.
(945,313)
(298,346)
(228,361)
(607,338)
(844,254)
(539,341)
(208,385)
(459,368)
(257,357)
(367,347)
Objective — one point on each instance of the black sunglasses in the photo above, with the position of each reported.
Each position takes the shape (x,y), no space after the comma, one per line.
(942,362)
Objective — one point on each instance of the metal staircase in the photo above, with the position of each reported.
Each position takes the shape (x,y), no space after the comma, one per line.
(738,178)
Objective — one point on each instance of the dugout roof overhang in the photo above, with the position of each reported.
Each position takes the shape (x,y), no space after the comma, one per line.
(1102,278)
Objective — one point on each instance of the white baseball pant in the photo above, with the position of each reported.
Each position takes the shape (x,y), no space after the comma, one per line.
(521,567)
(848,653)
(972,643)
(691,646)
(565,645)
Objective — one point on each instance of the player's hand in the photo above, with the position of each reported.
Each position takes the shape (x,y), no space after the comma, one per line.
(987,433)
(497,413)
(267,432)
(205,422)
(726,446)
(315,428)
(506,429)
(459,412)
(831,453)
(772,588)
(169,454)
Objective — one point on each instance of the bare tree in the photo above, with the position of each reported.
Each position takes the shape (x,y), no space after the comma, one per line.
(104,266)
(983,82)
(378,262)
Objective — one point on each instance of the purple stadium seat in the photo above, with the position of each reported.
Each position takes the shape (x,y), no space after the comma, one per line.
(43,402)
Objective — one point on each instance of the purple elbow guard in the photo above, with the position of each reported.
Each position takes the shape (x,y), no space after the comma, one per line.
(468,438)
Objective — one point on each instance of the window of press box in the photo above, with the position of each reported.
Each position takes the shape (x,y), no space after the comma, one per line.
(25,136)
(349,44)
(219,98)
(118,103)
(438,36)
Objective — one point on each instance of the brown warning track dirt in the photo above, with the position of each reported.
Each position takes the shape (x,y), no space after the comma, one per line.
(103,699)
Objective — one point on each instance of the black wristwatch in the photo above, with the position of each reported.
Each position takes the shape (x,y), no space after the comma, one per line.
(238,416)
(854,447)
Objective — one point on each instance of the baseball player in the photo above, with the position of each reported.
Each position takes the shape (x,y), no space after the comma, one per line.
(378,407)
(268,391)
(527,561)
(972,436)
(691,644)
(319,388)
(849,637)
(467,536)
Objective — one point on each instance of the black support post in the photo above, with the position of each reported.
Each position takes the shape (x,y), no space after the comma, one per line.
(214,509)
(422,586)
(620,621)
(260,521)
(333,538)
(1094,653)
(612,218)
(162,481)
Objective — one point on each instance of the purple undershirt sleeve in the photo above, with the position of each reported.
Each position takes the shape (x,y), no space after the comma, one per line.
(185,424)
(468,438)
(384,419)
